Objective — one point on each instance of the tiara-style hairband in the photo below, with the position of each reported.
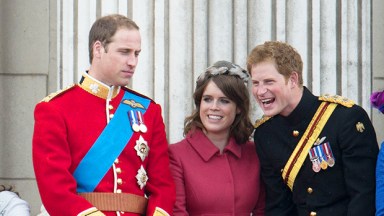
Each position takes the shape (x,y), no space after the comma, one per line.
(225,68)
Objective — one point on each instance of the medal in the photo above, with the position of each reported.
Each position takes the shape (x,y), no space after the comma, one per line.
(142,148)
(314,160)
(328,152)
(135,127)
(134,122)
(322,158)
(323,165)
(331,162)
(316,166)
(142,127)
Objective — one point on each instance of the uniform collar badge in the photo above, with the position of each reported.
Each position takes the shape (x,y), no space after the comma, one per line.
(360,127)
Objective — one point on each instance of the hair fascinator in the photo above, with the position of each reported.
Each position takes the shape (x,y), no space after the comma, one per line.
(224,68)
(377,100)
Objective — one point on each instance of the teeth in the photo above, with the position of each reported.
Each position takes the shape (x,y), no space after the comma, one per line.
(214,117)
(267,101)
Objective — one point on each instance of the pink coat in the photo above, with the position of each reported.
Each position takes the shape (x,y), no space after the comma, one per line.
(210,183)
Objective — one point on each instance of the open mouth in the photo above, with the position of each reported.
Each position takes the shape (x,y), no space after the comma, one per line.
(215,117)
(267,101)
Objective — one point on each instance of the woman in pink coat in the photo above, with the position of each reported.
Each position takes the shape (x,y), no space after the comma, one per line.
(216,168)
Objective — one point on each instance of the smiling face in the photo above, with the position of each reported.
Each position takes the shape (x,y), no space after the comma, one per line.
(217,111)
(115,63)
(272,91)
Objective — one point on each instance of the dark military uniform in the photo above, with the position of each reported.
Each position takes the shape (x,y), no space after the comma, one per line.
(347,188)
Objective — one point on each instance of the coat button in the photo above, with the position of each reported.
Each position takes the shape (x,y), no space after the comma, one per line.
(313,214)
(310,190)
(119,181)
(118,170)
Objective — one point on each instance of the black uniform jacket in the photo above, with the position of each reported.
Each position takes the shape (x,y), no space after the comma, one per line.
(347,188)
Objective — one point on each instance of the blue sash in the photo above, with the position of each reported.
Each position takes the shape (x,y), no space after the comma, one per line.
(108,146)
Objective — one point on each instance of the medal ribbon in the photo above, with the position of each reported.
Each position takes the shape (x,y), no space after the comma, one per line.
(297,158)
(328,150)
(108,146)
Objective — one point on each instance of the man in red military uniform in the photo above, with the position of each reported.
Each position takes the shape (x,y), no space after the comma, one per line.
(100,148)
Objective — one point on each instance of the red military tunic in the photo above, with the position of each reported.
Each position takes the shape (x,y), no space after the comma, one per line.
(66,126)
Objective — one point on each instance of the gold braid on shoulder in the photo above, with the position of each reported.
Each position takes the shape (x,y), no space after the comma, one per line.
(261,121)
(337,99)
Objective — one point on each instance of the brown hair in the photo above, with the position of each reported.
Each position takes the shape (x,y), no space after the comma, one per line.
(105,28)
(284,56)
(234,88)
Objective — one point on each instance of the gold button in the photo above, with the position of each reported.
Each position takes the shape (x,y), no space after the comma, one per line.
(295,133)
(118,191)
(111,116)
(313,214)
(119,181)
(116,161)
(309,190)
(118,170)
(110,107)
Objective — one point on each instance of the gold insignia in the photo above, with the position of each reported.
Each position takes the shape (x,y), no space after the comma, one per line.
(337,99)
(261,121)
(133,103)
(54,94)
(360,127)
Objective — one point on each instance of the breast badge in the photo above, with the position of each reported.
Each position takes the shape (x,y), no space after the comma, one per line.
(141,177)
(142,148)
(133,103)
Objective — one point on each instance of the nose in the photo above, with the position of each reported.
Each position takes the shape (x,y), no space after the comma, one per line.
(214,105)
(261,89)
(132,60)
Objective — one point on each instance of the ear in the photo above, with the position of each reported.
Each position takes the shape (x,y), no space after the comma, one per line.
(294,79)
(98,49)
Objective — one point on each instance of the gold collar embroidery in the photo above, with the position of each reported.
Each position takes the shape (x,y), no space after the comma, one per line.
(98,88)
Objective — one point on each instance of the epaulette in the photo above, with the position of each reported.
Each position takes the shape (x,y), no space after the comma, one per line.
(261,121)
(54,94)
(337,99)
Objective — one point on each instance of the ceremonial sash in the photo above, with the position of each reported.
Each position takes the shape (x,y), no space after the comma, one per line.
(108,146)
(299,154)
